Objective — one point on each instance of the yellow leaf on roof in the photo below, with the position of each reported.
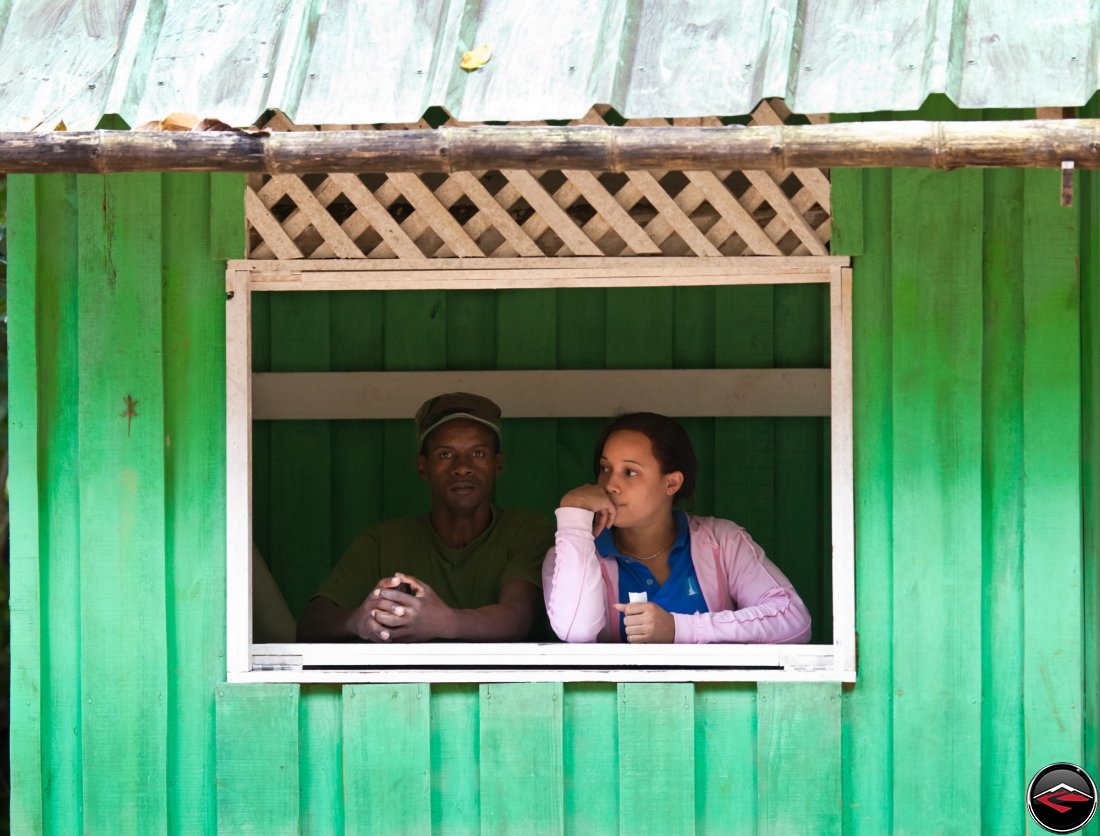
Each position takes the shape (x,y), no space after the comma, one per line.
(476,58)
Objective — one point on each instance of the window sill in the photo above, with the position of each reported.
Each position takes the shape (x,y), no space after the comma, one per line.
(530,662)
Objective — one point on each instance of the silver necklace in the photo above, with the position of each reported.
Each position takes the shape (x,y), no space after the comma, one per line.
(644,559)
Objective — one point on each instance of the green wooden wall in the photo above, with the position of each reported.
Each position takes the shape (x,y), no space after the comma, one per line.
(117,313)
(976,465)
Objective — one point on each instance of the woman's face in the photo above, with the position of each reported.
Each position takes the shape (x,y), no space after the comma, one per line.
(632,477)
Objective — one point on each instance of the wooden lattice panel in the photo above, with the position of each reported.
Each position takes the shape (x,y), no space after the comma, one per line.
(509,213)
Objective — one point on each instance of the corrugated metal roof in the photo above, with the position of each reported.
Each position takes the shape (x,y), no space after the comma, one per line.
(388,61)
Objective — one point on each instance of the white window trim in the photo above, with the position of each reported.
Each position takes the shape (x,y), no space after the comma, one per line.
(530,662)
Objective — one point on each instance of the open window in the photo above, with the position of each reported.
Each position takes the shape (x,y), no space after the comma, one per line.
(573,394)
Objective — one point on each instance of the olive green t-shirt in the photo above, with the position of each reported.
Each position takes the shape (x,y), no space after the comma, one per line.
(513,546)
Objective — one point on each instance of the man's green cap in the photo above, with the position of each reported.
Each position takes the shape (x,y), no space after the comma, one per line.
(443,408)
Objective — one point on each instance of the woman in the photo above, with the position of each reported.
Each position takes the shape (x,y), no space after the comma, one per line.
(628,566)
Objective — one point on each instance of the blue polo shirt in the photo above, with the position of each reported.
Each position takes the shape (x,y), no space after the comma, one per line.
(680,593)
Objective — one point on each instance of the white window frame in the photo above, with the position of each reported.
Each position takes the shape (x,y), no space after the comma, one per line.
(531,662)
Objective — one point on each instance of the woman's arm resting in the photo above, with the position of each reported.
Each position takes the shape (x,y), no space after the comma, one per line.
(572,584)
(595,499)
(779,617)
(769,610)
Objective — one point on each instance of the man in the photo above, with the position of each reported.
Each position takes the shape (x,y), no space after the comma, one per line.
(467,570)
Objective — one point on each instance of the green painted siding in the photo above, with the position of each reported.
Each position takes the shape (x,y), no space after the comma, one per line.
(118,578)
(1090,458)
(975,325)
(967,428)
(995,678)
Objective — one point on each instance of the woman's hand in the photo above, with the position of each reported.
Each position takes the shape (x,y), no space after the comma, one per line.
(647,623)
(595,499)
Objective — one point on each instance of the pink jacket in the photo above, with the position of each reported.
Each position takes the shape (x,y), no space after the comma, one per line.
(749,599)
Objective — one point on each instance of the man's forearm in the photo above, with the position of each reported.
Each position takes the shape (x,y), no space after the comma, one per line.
(323,620)
(495,622)
(421,617)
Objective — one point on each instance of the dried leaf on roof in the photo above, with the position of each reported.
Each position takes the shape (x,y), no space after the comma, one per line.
(475,59)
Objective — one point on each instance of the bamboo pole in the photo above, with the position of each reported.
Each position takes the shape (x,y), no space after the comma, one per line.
(940,145)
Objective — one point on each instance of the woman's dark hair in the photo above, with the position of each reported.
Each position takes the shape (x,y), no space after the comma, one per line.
(671,445)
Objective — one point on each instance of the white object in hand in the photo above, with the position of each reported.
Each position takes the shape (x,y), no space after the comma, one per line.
(638,597)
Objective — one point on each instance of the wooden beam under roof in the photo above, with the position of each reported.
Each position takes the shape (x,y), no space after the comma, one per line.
(941,145)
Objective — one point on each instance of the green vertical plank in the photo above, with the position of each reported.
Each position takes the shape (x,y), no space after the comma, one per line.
(798,727)
(867,749)
(521,758)
(701,433)
(576,439)
(937,326)
(355,345)
(261,430)
(801,516)
(1089,183)
(301,469)
(403,492)
(846,191)
(1053,614)
(530,476)
(581,338)
(387,758)
(194,426)
(725,758)
(744,486)
(693,348)
(416,330)
(455,754)
(320,759)
(122,534)
(226,219)
(693,327)
(581,327)
(471,329)
(261,487)
(26,645)
(745,329)
(1003,784)
(415,340)
(590,758)
(59,502)
(527,338)
(656,757)
(261,331)
(257,768)
(639,328)
(801,511)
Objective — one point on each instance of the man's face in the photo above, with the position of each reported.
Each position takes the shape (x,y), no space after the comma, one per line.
(459,465)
